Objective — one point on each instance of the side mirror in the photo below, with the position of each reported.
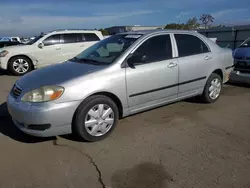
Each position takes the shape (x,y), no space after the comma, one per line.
(40,45)
(136,59)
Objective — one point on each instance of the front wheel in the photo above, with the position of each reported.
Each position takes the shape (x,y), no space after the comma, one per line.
(20,65)
(212,88)
(95,118)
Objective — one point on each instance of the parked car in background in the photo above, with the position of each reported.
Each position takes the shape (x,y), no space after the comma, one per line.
(10,39)
(8,43)
(121,75)
(25,40)
(47,49)
(241,56)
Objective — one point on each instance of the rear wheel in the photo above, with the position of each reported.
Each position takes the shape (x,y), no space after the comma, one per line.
(20,65)
(212,88)
(95,118)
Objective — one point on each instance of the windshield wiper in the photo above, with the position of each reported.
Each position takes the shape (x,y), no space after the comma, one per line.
(86,60)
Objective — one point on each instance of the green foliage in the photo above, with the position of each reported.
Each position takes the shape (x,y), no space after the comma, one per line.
(104,32)
(174,26)
(192,23)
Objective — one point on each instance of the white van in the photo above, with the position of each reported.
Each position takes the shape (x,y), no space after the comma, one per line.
(47,49)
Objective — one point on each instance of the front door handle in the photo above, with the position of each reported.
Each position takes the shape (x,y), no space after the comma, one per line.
(171,65)
(207,58)
(58,48)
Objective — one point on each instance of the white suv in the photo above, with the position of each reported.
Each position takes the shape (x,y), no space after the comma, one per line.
(47,49)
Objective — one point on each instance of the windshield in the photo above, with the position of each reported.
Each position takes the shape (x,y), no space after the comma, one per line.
(246,43)
(107,50)
(34,40)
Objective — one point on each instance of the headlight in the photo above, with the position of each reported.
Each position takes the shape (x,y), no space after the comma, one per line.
(43,94)
(3,53)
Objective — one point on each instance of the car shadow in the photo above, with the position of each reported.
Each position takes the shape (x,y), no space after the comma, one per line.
(3,72)
(72,137)
(238,84)
(8,128)
(196,100)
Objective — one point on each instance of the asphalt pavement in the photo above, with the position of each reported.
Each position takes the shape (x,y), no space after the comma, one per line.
(186,144)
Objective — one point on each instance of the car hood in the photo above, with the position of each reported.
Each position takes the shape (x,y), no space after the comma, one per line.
(240,53)
(57,74)
(19,48)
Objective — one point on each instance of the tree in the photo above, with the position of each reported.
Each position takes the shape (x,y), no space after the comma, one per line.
(192,23)
(175,26)
(206,19)
(104,31)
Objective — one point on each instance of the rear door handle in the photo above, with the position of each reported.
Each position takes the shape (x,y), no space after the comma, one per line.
(171,65)
(58,48)
(207,58)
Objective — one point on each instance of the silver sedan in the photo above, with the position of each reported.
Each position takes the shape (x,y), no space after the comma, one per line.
(121,75)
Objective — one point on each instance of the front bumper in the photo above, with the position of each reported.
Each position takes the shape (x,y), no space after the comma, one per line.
(227,74)
(28,116)
(237,76)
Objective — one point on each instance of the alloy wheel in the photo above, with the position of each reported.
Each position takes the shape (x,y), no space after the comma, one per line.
(21,66)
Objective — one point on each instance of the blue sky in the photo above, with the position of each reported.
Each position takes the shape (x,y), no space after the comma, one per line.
(27,17)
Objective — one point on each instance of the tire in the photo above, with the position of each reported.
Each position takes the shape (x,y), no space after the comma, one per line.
(207,97)
(79,126)
(25,65)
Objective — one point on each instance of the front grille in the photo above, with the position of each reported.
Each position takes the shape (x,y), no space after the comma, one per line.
(16,91)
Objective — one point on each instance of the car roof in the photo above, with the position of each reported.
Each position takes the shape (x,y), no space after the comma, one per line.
(146,32)
(74,31)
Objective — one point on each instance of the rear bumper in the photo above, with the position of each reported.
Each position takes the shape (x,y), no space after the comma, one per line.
(237,76)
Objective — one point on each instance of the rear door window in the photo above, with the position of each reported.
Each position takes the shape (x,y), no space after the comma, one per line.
(71,38)
(52,40)
(190,45)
